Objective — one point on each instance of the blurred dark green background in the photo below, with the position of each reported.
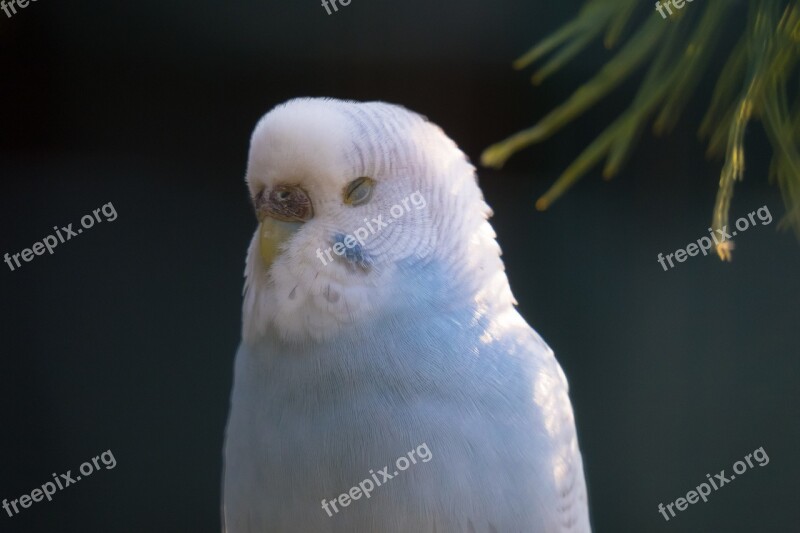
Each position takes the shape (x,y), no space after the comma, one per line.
(124,338)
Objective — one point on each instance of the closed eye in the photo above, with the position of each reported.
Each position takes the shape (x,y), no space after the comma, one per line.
(358,191)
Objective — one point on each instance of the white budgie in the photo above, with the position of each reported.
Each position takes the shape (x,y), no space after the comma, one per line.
(378,321)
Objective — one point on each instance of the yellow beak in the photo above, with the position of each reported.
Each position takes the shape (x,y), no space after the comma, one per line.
(272,234)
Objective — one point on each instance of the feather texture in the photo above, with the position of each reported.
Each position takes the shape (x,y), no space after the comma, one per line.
(425,346)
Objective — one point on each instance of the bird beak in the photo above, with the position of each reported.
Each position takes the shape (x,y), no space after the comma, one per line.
(281,212)
(272,233)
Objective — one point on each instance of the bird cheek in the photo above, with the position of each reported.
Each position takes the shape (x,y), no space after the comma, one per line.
(272,234)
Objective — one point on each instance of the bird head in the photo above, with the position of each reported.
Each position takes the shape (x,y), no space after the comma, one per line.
(351,200)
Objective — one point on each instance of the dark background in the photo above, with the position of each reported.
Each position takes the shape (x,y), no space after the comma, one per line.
(124,338)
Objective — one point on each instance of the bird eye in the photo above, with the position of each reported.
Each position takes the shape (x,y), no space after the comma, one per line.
(358,191)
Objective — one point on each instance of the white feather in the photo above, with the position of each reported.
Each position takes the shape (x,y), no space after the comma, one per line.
(343,370)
